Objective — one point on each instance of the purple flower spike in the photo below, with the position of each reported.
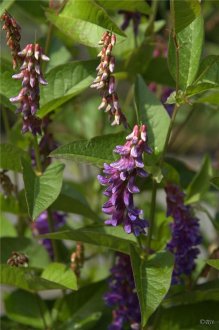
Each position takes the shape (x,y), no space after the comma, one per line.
(119,177)
(185,233)
(41,226)
(29,96)
(122,296)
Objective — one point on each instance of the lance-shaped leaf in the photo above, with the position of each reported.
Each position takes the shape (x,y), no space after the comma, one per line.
(152,280)
(213,263)
(200,183)
(84,22)
(11,157)
(189,42)
(64,82)
(153,114)
(185,12)
(95,151)
(110,237)
(140,6)
(41,191)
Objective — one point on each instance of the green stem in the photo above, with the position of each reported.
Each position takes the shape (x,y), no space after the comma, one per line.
(150,27)
(37,154)
(39,303)
(6,122)
(54,242)
(152,214)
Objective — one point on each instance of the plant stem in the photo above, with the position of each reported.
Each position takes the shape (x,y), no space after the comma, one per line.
(37,154)
(152,214)
(152,17)
(52,229)
(39,303)
(6,122)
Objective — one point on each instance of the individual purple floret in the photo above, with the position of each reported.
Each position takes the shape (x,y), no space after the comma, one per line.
(120,179)
(41,226)
(29,95)
(185,233)
(129,16)
(122,296)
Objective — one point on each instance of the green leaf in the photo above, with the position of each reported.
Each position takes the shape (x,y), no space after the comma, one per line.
(84,22)
(215,182)
(140,6)
(207,77)
(189,42)
(82,303)
(9,87)
(213,263)
(38,256)
(153,114)
(58,273)
(152,280)
(161,75)
(95,151)
(41,191)
(7,227)
(106,236)
(189,317)
(26,279)
(71,201)
(27,310)
(5,5)
(9,204)
(11,157)
(200,183)
(185,12)
(64,82)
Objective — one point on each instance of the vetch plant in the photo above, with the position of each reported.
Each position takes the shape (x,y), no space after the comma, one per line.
(118,220)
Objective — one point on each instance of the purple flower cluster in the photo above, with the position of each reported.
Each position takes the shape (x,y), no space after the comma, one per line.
(185,233)
(13,36)
(41,226)
(129,16)
(29,96)
(105,81)
(122,296)
(120,181)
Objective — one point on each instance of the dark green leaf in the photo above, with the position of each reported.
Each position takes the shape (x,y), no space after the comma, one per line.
(71,201)
(185,12)
(11,157)
(153,114)
(140,6)
(64,82)
(23,307)
(161,75)
(95,151)
(41,191)
(84,22)
(106,236)
(9,87)
(190,48)
(9,204)
(37,255)
(152,280)
(215,182)
(60,274)
(200,182)
(213,263)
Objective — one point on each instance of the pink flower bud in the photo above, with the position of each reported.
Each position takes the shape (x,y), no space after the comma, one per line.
(111,85)
(112,64)
(113,39)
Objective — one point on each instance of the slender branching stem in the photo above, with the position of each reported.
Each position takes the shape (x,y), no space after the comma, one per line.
(37,155)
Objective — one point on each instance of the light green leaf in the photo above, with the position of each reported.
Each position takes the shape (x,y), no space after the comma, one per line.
(9,204)
(84,22)
(185,11)
(9,87)
(106,236)
(27,311)
(5,5)
(64,82)
(95,151)
(27,279)
(152,280)
(189,41)
(41,191)
(140,6)
(213,263)
(11,157)
(7,227)
(200,183)
(211,97)
(60,274)
(153,114)
(36,253)
(71,201)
